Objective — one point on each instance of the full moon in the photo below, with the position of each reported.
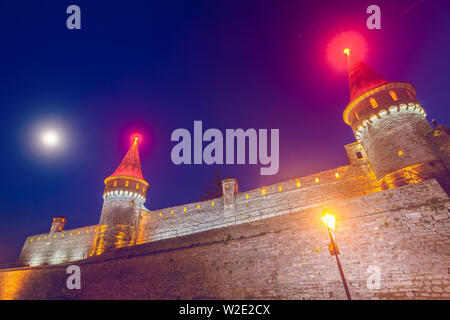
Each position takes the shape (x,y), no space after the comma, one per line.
(50,138)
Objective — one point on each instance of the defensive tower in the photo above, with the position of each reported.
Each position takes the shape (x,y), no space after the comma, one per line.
(390,124)
(124,197)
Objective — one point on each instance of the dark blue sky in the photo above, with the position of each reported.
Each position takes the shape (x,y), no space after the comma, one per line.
(157,66)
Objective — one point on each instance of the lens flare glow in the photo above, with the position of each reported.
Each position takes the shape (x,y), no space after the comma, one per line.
(136,137)
(346,42)
(329,220)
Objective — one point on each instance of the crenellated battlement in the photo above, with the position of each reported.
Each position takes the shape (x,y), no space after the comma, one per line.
(314,190)
(372,118)
(58,247)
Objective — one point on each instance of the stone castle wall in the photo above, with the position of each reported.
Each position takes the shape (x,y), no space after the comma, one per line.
(71,245)
(403,231)
(397,139)
(58,247)
(282,198)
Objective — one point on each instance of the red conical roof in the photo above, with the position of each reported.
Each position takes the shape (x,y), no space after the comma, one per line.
(131,164)
(362,78)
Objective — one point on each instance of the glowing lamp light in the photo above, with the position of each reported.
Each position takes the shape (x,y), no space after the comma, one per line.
(136,138)
(341,43)
(329,220)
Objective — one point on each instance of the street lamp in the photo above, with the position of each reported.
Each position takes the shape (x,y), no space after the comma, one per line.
(330,223)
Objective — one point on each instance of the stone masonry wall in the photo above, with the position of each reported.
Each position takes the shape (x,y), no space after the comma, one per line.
(71,245)
(404,129)
(58,247)
(404,232)
(282,198)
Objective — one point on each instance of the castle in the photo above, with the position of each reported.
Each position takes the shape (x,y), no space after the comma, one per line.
(391,202)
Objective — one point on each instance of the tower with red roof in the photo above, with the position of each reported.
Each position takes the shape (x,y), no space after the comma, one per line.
(124,197)
(389,122)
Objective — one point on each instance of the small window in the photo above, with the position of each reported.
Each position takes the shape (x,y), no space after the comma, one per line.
(359,155)
(115,183)
(137,186)
(393,95)
(126,183)
(400,152)
(373,103)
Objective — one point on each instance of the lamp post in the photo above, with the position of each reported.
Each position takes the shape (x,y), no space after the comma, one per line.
(330,223)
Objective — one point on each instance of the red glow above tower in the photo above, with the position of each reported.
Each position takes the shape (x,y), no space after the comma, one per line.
(136,137)
(131,163)
(350,43)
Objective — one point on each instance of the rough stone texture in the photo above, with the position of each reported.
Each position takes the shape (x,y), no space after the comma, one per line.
(58,247)
(404,231)
(120,227)
(261,203)
(402,129)
(121,210)
(353,180)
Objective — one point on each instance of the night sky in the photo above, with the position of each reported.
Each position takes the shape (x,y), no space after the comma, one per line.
(155,66)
